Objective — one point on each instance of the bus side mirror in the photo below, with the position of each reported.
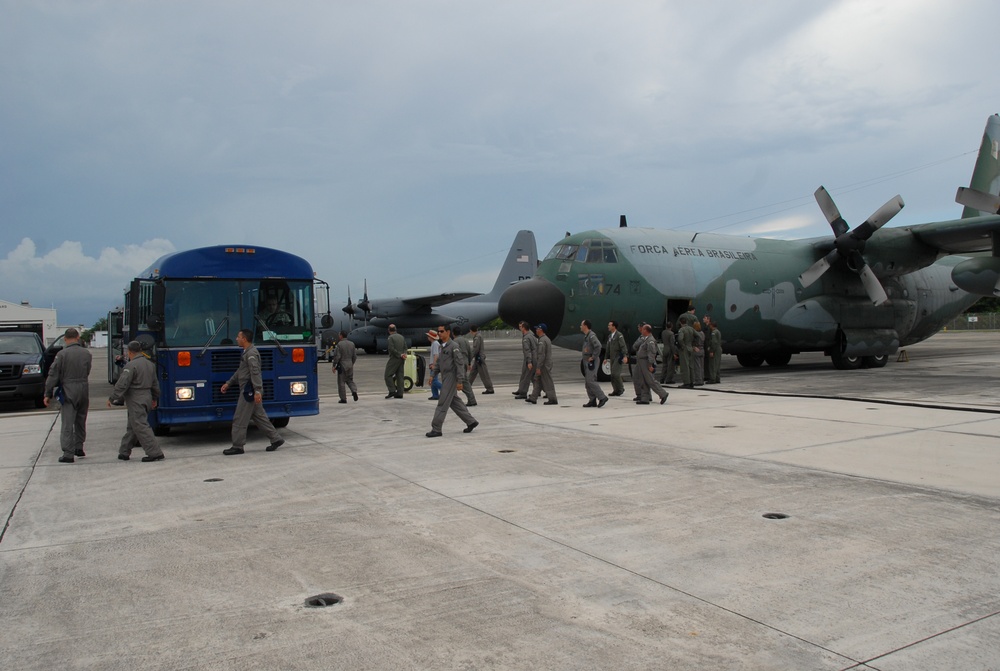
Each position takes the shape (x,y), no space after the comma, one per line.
(154,322)
(326,322)
(155,319)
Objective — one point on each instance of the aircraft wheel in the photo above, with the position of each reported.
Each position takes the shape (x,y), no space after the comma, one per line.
(779,359)
(407,383)
(604,372)
(841,362)
(750,360)
(875,361)
(280,422)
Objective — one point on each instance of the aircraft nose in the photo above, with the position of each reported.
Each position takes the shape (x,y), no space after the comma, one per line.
(535,301)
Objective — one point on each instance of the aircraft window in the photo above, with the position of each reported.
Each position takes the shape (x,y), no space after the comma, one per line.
(610,255)
(596,254)
(562,252)
(582,254)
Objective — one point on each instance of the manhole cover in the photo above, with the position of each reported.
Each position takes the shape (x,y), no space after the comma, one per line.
(775,516)
(324,600)
(214,480)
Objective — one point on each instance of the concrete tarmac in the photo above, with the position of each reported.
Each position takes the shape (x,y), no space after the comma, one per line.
(795,518)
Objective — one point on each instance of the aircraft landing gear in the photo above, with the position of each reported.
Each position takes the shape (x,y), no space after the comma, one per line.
(778,359)
(750,360)
(843,362)
(875,361)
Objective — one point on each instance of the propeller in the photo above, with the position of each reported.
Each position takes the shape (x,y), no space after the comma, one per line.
(977,200)
(349,308)
(364,304)
(849,245)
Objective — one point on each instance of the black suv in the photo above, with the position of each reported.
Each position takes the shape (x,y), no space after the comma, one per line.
(22,367)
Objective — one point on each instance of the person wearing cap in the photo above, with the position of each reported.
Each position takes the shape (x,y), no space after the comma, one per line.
(70,372)
(345,354)
(432,336)
(478,361)
(394,366)
(543,369)
(138,390)
(452,366)
(529,349)
(250,403)
(466,347)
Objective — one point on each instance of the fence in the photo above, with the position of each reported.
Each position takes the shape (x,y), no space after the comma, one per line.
(980,321)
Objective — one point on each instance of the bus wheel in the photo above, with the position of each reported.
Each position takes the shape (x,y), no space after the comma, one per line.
(407,383)
(750,360)
(875,361)
(280,422)
(161,430)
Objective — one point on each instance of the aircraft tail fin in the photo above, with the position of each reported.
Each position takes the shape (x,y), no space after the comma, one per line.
(521,263)
(986,176)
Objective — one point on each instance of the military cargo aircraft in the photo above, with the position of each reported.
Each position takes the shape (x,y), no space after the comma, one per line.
(857,296)
(367,321)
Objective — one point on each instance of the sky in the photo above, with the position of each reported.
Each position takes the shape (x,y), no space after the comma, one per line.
(406,142)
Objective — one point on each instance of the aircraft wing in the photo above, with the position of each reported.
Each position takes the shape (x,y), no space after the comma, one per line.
(960,236)
(437,299)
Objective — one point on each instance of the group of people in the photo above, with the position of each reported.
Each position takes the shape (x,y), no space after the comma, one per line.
(138,390)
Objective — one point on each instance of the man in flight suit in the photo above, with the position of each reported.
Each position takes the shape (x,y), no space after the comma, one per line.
(646,361)
(70,371)
(669,356)
(451,366)
(686,352)
(714,354)
(139,391)
(591,362)
(345,354)
(249,379)
(478,361)
(529,347)
(394,366)
(616,351)
(543,369)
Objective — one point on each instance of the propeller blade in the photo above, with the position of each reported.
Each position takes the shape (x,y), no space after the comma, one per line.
(877,220)
(830,211)
(872,286)
(977,200)
(816,270)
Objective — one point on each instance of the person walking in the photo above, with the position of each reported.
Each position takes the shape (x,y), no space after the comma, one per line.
(616,352)
(394,366)
(138,390)
(70,372)
(478,362)
(345,355)
(250,403)
(466,347)
(452,367)
(529,347)
(543,369)
(646,363)
(591,362)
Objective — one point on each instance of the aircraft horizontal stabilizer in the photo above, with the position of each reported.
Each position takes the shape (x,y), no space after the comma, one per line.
(977,200)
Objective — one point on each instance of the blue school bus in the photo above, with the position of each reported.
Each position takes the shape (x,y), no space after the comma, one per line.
(186,310)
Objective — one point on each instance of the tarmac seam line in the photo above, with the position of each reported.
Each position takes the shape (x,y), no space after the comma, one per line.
(27,480)
(933,636)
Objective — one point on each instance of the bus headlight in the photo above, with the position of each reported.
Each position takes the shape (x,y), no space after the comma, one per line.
(184,393)
(299,388)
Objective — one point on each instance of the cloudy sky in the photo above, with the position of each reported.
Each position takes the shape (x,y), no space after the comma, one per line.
(407,141)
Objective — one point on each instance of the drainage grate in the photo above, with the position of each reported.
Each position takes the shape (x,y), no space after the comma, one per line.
(506,451)
(324,600)
(214,480)
(775,516)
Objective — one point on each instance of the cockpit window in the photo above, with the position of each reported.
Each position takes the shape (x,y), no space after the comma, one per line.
(562,252)
(597,251)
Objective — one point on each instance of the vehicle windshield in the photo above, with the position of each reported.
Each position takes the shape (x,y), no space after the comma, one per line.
(19,344)
(211,312)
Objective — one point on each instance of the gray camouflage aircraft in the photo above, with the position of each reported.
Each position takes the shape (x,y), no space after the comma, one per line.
(367,321)
(857,296)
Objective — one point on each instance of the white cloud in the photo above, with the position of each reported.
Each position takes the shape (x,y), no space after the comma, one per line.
(81,287)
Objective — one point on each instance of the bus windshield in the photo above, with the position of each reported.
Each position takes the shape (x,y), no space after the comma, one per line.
(202,312)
